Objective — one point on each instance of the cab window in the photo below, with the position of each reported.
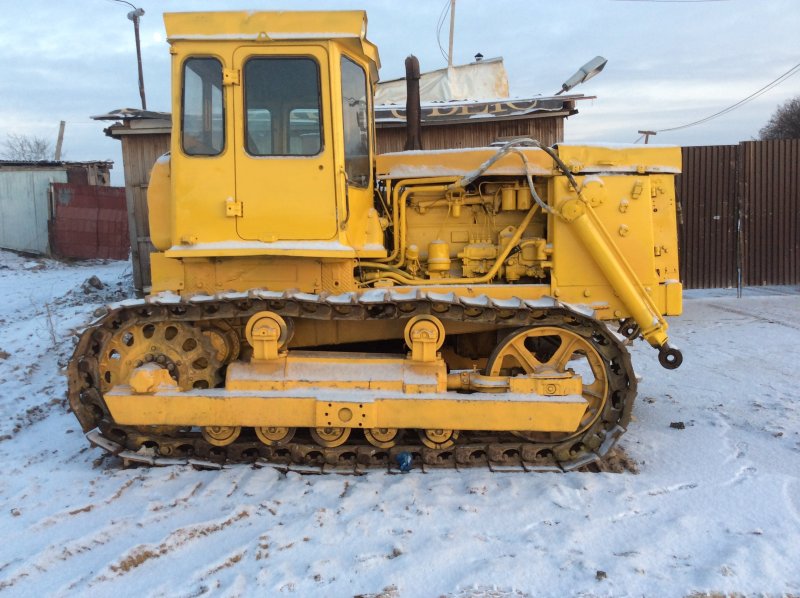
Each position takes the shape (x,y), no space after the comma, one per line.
(356,123)
(202,117)
(282,106)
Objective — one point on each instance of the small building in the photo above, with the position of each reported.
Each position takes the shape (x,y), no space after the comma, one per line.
(27,209)
(468,105)
(145,136)
(460,124)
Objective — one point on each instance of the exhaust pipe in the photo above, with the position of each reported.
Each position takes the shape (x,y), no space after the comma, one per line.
(413,116)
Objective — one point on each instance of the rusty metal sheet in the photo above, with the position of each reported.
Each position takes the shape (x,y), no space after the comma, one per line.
(89,221)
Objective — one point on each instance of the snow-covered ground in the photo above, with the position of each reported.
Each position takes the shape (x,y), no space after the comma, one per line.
(715,507)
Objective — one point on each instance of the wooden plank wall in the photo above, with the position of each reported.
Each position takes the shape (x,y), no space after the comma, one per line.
(139,153)
(480,134)
(740,218)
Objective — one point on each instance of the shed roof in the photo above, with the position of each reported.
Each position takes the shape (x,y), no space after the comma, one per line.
(445,113)
(50,164)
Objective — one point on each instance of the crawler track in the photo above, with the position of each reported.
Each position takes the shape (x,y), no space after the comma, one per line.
(495,450)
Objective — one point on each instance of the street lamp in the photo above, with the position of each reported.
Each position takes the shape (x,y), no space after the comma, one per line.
(134,16)
(583,74)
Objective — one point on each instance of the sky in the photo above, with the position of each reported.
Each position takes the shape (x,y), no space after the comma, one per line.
(670,62)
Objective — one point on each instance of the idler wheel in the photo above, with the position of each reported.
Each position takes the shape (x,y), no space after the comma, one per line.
(382,437)
(272,436)
(526,351)
(438,439)
(330,437)
(221,435)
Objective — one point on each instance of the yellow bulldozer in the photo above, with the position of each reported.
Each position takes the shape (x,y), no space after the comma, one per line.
(315,304)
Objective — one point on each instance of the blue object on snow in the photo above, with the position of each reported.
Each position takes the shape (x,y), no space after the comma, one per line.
(404,461)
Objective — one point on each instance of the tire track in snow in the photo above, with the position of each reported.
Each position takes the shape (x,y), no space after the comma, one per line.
(175,541)
(754,315)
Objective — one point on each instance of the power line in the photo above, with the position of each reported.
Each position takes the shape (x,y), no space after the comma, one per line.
(668,1)
(772,84)
(439,25)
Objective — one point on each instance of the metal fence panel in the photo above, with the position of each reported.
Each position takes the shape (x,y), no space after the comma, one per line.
(770,211)
(740,219)
(24,208)
(89,221)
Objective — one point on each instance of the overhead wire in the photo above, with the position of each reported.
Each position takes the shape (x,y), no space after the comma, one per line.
(669,1)
(439,25)
(759,92)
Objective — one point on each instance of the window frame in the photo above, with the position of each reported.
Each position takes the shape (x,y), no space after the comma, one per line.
(224,106)
(368,98)
(320,106)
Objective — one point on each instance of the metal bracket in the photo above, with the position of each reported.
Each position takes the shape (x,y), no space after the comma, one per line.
(233,208)
(425,336)
(267,333)
(230,77)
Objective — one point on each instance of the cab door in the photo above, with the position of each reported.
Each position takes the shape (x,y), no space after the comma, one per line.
(285,179)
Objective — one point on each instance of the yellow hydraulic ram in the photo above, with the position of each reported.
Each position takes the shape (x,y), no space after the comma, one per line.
(620,275)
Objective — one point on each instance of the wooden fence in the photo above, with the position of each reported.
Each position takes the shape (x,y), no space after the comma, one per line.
(739,223)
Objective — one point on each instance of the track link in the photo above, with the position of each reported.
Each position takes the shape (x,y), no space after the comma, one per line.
(498,451)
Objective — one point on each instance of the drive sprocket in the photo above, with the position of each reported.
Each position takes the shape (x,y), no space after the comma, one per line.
(182,349)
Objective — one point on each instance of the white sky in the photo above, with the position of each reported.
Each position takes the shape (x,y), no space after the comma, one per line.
(669,63)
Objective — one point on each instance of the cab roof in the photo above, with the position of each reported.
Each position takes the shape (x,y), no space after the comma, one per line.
(265,27)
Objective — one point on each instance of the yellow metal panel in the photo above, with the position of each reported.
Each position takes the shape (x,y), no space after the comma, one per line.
(332,249)
(665,227)
(353,371)
(459,162)
(674,299)
(450,410)
(621,158)
(603,248)
(287,197)
(159,204)
(265,25)
(201,184)
(167,274)
(341,414)
(555,414)
(627,220)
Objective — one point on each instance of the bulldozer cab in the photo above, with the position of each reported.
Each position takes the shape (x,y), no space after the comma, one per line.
(275,131)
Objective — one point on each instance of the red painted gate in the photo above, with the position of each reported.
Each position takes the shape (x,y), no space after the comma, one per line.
(89,221)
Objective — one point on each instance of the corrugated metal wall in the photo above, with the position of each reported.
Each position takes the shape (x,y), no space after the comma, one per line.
(740,219)
(547,130)
(707,222)
(139,153)
(25,208)
(769,184)
(89,221)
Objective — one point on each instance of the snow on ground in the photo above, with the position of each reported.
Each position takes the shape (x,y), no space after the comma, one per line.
(715,507)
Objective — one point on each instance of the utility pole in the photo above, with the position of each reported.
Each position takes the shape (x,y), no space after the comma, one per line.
(59,141)
(647,135)
(452,30)
(134,16)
